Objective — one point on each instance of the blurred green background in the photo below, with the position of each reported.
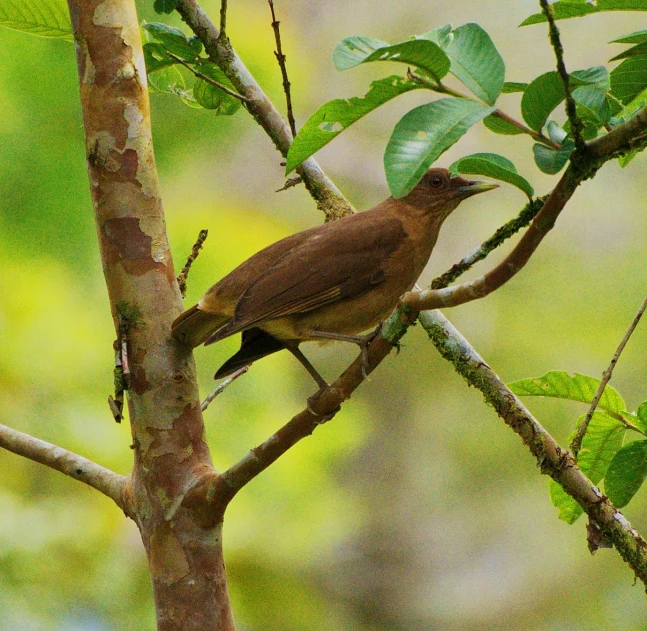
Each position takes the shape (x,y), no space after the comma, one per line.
(416,508)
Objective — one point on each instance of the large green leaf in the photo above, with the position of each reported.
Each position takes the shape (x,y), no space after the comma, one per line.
(629,79)
(47,18)
(639,49)
(626,473)
(561,385)
(421,53)
(602,441)
(339,114)
(546,92)
(422,135)
(494,166)
(476,62)
(565,9)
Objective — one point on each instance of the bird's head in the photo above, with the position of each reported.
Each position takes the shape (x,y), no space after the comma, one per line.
(439,193)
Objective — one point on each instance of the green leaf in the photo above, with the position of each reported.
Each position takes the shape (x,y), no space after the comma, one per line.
(354,50)
(476,62)
(173,39)
(211,97)
(155,57)
(422,135)
(602,441)
(337,115)
(510,87)
(566,9)
(552,161)
(641,417)
(441,35)
(561,385)
(636,37)
(626,113)
(47,18)
(494,166)
(555,132)
(569,509)
(595,102)
(165,6)
(501,126)
(629,79)
(540,98)
(546,92)
(639,49)
(421,53)
(626,473)
(168,80)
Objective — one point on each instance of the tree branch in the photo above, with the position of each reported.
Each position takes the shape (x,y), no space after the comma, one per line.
(551,458)
(583,166)
(323,191)
(111,484)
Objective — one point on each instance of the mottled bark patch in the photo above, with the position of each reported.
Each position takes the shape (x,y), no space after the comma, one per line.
(130,244)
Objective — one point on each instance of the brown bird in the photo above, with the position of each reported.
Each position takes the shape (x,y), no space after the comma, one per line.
(332,282)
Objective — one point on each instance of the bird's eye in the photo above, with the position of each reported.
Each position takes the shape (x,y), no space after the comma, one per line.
(435,181)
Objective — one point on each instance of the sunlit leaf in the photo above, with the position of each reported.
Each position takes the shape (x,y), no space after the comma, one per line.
(476,62)
(168,80)
(155,57)
(421,53)
(422,135)
(494,166)
(566,9)
(576,387)
(626,473)
(569,509)
(47,18)
(441,35)
(337,115)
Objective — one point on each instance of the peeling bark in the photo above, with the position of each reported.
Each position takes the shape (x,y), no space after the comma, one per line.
(184,550)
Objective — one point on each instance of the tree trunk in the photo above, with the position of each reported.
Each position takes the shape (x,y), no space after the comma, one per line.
(182,538)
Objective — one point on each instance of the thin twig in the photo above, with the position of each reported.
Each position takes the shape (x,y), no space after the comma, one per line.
(223,18)
(207,79)
(221,386)
(526,215)
(576,444)
(290,183)
(571,109)
(328,197)
(280,57)
(195,251)
(67,462)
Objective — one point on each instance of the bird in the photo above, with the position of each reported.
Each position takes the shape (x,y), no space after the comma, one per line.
(331,282)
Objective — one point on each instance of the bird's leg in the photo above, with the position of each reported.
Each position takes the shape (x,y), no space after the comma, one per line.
(294,349)
(361,340)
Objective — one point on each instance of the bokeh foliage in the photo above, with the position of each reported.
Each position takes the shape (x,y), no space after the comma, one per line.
(415,508)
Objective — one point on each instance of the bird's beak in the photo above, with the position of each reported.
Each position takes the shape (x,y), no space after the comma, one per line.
(473,188)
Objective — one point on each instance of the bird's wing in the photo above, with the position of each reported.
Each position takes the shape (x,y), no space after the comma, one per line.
(338,261)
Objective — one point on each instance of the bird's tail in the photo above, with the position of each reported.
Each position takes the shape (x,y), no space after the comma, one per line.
(194,326)
(255,344)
